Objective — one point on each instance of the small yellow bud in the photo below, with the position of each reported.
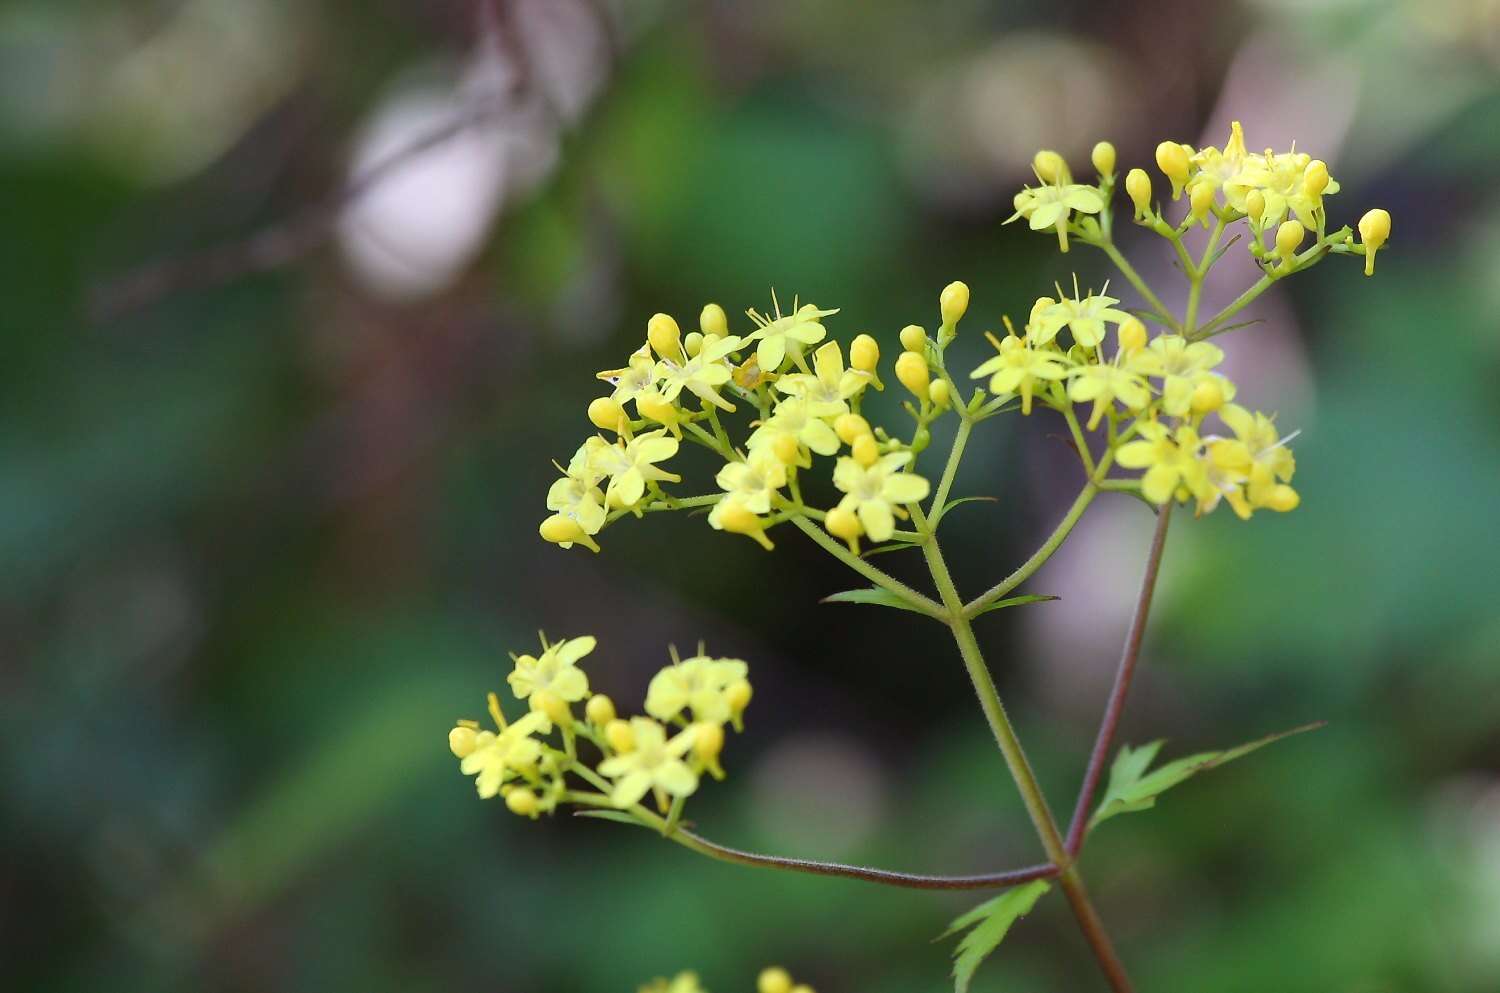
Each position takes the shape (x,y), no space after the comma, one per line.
(1104,158)
(864,353)
(600,710)
(619,736)
(737,696)
(1201,201)
(864,449)
(1208,396)
(954,302)
(693,343)
(1283,498)
(665,336)
(785,448)
(562,530)
(940,395)
(1288,237)
(1132,335)
(913,338)
(606,414)
(552,706)
(708,742)
(1255,204)
(842,523)
(849,427)
(1315,179)
(1172,160)
(736,519)
(656,407)
(1374,229)
(461,741)
(713,320)
(522,802)
(774,980)
(1138,185)
(912,371)
(1051,167)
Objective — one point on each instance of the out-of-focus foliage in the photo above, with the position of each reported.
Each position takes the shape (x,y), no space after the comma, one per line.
(264,540)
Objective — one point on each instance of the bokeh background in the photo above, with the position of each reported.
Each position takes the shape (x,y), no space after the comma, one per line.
(276,433)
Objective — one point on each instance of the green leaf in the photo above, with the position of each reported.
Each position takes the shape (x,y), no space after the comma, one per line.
(875,595)
(990,920)
(954,503)
(1016,601)
(1131,788)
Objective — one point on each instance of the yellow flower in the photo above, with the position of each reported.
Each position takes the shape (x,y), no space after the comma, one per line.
(496,758)
(629,464)
(1269,460)
(1051,205)
(876,492)
(639,376)
(555,671)
(778,336)
(1182,366)
(653,765)
(827,392)
(579,499)
(753,481)
(794,416)
(1224,477)
(1018,368)
(700,684)
(701,375)
(1123,380)
(1086,317)
(730,514)
(1281,179)
(1216,169)
(1170,459)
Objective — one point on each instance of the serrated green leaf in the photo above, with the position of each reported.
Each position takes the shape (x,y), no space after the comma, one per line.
(1132,789)
(1016,601)
(874,595)
(990,920)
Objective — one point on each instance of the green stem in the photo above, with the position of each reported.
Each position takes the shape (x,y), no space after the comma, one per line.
(950,470)
(1016,761)
(917,601)
(1042,554)
(1195,279)
(1128,271)
(1079,442)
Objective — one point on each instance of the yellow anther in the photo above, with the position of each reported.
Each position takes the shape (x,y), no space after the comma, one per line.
(606,414)
(1172,160)
(1138,185)
(912,371)
(1132,335)
(600,710)
(865,451)
(849,427)
(1104,158)
(713,320)
(913,338)
(1374,229)
(665,336)
(954,302)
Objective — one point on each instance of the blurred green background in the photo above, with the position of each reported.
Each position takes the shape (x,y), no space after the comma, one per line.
(268,511)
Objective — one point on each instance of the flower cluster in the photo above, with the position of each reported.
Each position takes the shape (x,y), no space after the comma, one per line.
(663,754)
(772,980)
(1153,394)
(804,401)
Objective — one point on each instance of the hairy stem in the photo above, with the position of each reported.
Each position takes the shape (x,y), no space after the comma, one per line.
(917,601)
(950,470)
(1129,656)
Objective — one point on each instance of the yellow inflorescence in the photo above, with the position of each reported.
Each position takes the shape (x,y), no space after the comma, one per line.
(695,697)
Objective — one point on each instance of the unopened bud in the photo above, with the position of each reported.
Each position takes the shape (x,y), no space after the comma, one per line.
(785,448)
(1315,179)
(1132,335)
(843,523)
(864,353)
(1201,201)
(600,710)
(618,735)
(737,696)
(954,302)
(605,414)
(562,530)
(849,427)
(665,336)
(552,706)
(522,802)
(1172,160)
(1288,237)
(913,338)
(1104,158)
(865,451)
(737,519)
(1051,167)
(1138,185)
(774,980)
(912,371)
(1374,229)
(713,321)
(1208,396)
(940,394)
(461,741)
(692,343)
(1283,498)
(1255,205)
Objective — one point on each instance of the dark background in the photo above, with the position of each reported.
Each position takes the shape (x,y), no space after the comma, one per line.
(268,514)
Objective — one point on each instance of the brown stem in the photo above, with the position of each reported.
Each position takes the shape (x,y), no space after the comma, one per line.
(1129,656)
(1094,932)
